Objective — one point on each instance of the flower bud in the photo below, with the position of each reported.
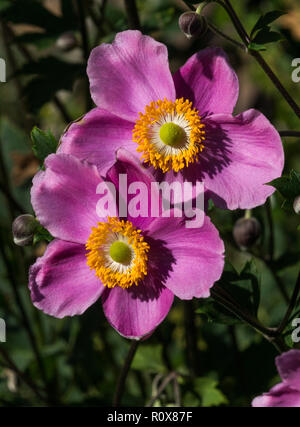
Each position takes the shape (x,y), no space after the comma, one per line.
(192,24)
(246,231)
(66,42)
(23,229)
(296,205)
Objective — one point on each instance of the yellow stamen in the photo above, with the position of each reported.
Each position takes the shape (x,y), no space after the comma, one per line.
(102,244)
(157,114)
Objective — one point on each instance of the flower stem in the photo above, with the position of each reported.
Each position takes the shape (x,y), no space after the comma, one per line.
(132,15)
(124,373)
(291,307)
(192,352)
(226,300)
(292,133)
(246,41)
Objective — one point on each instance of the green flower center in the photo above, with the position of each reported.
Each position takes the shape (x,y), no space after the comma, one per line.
(171,134)
(120,252)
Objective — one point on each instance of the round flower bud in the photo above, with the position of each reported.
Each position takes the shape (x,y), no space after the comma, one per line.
(246,231)
(23,229)
(192,24)
(66,42)
(296,205)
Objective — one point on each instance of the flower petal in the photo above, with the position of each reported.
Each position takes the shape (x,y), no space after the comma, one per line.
(135,312)
(128,74)
(64,197)
(280,396)
(190,260)
(288,365)
(96,137)
(208,80)
(139,180)
(61,282)
(241,155)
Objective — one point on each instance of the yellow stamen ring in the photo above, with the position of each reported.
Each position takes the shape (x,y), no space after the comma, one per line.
(169,134)
(117,252)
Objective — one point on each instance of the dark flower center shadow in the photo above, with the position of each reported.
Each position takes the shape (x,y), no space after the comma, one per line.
(216,156)
(159,267)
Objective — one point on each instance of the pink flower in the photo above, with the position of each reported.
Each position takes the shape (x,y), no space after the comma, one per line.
(181,126)
(136,265)
(286,393)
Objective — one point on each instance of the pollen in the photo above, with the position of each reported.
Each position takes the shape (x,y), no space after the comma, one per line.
(117,252)
(170,135)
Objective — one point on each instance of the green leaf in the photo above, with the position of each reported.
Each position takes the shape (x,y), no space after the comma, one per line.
(266,36)
(49,75)
(5,4)
(258,47)
(288,187)
(266,19)
(41,234)
(210,394)
(149,358)
(43,143)
(243,287)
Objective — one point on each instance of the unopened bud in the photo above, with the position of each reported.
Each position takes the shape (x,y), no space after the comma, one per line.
(23,229)
(192,24)
(246,231)
(296,205)
(66,42)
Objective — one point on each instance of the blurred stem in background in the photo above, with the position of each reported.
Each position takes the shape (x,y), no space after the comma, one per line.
(10,37)
(13,271)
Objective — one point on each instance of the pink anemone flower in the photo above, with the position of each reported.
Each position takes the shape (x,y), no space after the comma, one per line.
(181,126)
(286,393)
(135,264)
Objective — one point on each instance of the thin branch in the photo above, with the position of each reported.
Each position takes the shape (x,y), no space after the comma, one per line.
(27,55)
(225,36)
(162,387)
(11,365)
(124,373)
(223,298)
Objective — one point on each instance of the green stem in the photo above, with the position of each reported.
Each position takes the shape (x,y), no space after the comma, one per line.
(267,69)
(289,133)
(124,373)
(246,41)
(192,352)
(132,15)
(292,305)
(223,298)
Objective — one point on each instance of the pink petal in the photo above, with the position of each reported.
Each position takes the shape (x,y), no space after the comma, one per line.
(280,396)
(96,137)
(128,74)
(135,312)
(129,165)
(288,365)
(61,283)
(64,197)
(208,80)
(190,261)
(241,156)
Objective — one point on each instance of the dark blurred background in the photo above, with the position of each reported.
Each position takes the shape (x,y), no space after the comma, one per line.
(76,361)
